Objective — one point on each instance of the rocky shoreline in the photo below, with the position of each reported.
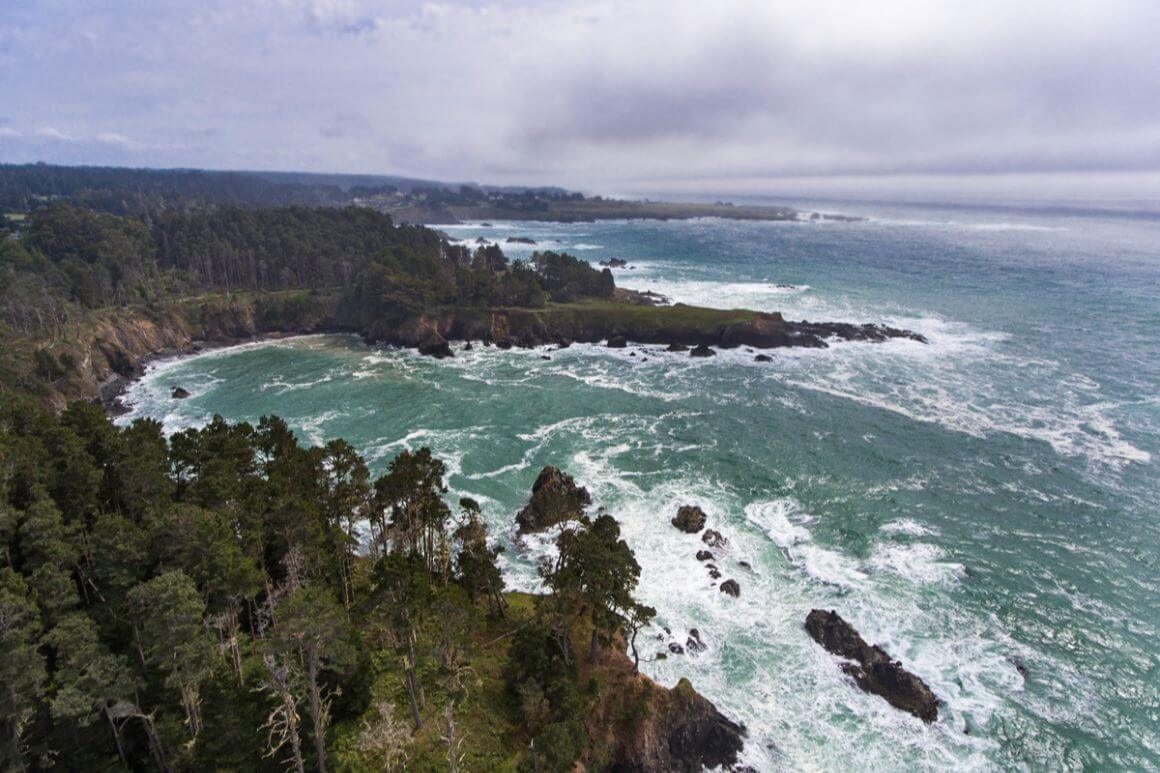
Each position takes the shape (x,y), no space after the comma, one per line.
(679,327)
(116,350)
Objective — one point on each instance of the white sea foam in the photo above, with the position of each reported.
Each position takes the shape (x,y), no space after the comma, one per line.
(774,519)
(909,527)
(916,562)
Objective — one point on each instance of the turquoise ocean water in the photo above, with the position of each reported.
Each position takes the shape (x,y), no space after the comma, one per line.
(987,500)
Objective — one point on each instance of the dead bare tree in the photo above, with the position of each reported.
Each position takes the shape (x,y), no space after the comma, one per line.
(386,739)
(282,723)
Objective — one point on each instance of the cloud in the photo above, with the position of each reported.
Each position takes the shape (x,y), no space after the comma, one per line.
(593,94)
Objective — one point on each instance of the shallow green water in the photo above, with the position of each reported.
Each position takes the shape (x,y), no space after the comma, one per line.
(989,498)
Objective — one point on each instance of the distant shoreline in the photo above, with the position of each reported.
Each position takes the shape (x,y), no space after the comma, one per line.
(593,210)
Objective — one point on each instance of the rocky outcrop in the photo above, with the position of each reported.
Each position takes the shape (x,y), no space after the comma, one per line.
(437,348)
(702,350)
(730,588)
(763,358)
(614,263)
(704,555)
(180,393)
(714,539)
(689,519)
(555,499)
(681,731)
(617,342)
(679,327)
(872,669)
(520,240)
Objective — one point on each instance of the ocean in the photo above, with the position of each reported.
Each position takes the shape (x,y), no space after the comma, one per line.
(985,506)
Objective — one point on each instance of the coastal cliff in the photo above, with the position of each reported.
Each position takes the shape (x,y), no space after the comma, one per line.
(595,321)
(105,350)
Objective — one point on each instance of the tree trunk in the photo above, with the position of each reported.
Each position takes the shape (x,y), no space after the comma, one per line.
(116,737)
(316,710)
(409,683)
(295,744)
(155,746)
(414,666)
(137,644)
(14,738)
(451,761)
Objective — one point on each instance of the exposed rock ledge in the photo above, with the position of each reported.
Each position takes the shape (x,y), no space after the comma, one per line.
(872,669)
(676,326)
(637,726)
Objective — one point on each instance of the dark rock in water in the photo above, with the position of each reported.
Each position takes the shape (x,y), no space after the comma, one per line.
(873,670)
(563,345)
(676,649)
(545,357)
(617,342)
(437,348)
(704,555)
(689,519)
(714,539)
(731,587)
(520,240)
(1019,666)
(504,344)
(485,225)
(555,498)
(481,240)
(744,565)
(614,263)
(662,656)
(763,358)
(702,350)
(714,573)
(693,644)
(676,347)
(180,393)
(632,354)
(468,347)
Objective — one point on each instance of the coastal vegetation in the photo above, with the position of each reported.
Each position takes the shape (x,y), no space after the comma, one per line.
(230,599)
(147,192)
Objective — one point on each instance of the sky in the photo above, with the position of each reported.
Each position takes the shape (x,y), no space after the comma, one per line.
(677,95)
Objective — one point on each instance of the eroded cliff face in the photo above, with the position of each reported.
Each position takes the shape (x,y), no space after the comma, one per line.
(639,726)
(110,348)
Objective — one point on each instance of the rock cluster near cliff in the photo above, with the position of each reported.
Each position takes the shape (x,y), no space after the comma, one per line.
(689,519)
(872,669)
(556,498)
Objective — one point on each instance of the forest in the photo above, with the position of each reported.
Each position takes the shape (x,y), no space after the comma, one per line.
(230,599)
(62,266)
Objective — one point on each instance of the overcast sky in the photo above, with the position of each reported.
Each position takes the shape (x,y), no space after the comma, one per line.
(608,96)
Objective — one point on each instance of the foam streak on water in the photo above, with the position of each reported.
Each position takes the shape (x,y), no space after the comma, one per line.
(981,502)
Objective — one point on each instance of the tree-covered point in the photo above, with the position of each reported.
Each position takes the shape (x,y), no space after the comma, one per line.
(123,191)
(231,600)
(63,260)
